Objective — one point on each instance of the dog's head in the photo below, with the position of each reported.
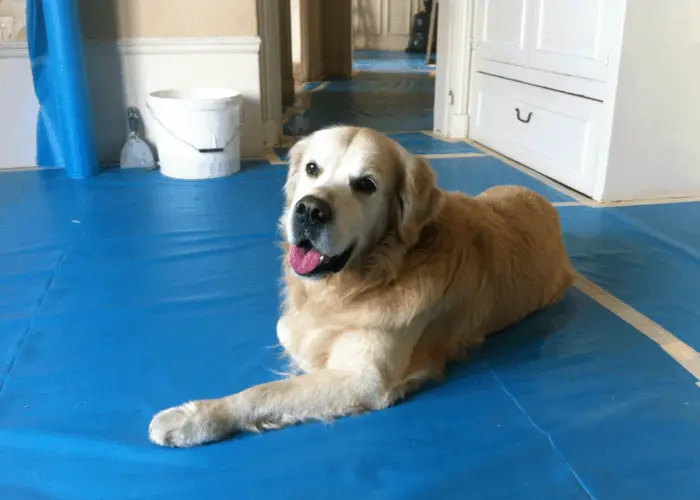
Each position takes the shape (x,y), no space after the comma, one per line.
(349,190)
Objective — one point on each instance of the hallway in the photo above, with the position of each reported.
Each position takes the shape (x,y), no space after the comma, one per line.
(132,292)
(390,91)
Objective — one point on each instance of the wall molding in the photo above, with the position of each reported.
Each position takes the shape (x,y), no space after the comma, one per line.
(14,50)
(180,46)
(153,46)
(453,78)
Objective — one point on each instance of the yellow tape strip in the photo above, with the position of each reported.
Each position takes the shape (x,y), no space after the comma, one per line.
(439,156)
(681,352)
(535,175)
(439,137)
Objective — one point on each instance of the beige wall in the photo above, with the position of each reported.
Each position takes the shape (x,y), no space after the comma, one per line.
(337,38)
(311,33)
(110,20)
(16,10)
(326,38)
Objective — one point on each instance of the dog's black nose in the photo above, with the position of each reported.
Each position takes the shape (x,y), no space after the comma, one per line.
(311,209)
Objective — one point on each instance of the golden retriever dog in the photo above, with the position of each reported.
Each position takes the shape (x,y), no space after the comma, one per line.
(388,278)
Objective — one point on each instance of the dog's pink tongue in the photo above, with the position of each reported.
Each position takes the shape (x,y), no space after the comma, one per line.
(304,261)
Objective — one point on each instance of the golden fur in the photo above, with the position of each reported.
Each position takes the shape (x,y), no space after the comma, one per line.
(435,273)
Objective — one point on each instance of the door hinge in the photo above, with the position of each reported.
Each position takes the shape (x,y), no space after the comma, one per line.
(451,98)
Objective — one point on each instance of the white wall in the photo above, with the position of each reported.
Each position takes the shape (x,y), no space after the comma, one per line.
(18,107)
(295,15)
(123,74)
(656,131)
(18,104)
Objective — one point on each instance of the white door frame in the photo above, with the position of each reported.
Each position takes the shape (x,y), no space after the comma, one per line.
(454,50)
(271,70)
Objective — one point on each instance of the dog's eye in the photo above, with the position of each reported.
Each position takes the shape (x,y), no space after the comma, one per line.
(364,185)
(312,169)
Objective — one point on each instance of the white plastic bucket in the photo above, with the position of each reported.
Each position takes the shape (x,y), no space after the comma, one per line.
(197,132)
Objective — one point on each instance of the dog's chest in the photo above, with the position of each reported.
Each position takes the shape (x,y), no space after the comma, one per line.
(307,344)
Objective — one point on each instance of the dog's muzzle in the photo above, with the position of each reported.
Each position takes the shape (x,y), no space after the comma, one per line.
(310,220)
(311,216)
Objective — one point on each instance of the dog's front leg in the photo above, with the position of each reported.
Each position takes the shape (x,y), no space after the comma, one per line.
(363,371)
(317,396)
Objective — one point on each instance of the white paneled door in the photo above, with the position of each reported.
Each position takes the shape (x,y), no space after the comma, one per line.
(383,24)
(568,37)
(501,30)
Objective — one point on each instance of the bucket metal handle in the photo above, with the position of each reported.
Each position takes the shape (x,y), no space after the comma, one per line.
(205,150)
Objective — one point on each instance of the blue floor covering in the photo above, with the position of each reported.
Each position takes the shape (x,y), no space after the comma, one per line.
(131,292)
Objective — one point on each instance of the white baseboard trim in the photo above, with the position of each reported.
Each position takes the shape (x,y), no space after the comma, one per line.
(241,44)
(14,50)
(459,127)
(178,46)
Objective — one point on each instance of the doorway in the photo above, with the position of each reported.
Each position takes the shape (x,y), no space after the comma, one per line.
(345,62)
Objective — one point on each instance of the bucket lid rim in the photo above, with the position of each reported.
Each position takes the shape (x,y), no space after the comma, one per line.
(227,94)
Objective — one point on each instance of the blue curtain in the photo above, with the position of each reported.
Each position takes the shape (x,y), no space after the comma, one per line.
(65,127)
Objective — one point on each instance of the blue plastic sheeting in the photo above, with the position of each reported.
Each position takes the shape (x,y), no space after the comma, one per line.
(385,102)
(65,129)
(646,256)
(677,223)
(132,292)
(281,152)
(311,86)
(384,61)
(474,175)
(616,410)
(416,143)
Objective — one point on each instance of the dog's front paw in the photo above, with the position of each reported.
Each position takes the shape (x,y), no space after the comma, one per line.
(188,425)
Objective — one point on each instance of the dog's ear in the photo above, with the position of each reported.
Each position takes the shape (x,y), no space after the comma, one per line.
(419,196)
(295,155)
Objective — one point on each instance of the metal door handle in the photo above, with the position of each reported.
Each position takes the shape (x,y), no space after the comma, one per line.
(526,120)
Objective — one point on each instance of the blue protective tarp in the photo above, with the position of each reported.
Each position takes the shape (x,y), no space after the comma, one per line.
(132,292)
(65,128)
(385,61)
(382,101)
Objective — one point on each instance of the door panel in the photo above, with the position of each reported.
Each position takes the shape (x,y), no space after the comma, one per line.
(501,30)
(572,37)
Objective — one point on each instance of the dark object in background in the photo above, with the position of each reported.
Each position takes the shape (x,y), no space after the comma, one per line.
(418,39)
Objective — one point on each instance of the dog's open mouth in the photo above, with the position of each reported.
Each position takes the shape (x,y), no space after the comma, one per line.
(306,261)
